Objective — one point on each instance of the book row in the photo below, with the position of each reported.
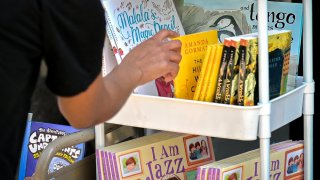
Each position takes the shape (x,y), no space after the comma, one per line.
(228,73)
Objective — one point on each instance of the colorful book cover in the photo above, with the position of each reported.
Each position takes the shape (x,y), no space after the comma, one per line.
(248,71)
(281,15)
(286,162)
(132,22)
(174,157)
(279,48)
(199,15)
(193,51)
(37,136)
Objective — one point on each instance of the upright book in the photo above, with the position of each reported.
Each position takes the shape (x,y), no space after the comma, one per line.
(131,22)
(193,51)
(163,155)
(228,16)
(37,136)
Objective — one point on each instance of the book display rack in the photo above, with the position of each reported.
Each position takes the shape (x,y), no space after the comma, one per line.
(218,120)
(245,123)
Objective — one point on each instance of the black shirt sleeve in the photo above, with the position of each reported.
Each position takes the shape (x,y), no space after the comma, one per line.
(73,37)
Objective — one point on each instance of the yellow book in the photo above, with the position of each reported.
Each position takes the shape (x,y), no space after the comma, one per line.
(193,50)
(204,67)
(207,73)
(214,72)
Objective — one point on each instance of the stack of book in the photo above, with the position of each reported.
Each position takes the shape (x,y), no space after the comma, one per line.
(286,162)
(163,155)
(229,72)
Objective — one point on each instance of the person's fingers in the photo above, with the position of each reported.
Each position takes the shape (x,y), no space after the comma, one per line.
(172,73)
(173,45)
(163,34)
(174,56)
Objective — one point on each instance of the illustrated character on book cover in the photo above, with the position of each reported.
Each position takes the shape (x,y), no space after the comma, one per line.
(234,174)
(294,162)
(229,23)
(197,149)
(130,164)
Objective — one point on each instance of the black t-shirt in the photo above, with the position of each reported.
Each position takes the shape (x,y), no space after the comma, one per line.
(68,35)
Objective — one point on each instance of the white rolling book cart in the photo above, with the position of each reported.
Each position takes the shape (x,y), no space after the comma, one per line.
(229,121)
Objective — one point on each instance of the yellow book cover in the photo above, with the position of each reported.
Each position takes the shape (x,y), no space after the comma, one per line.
(213,77)
(204,68)
(176,157)
(193,50)
(247,71)
(207,73)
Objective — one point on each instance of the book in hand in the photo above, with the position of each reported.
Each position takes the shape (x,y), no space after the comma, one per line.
(37,136)
(286,162)
(131,22)
(163,155)
(193,51)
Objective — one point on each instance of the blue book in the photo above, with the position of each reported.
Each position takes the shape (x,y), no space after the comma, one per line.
(37,136)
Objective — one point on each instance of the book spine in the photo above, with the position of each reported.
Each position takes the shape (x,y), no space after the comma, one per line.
(110,32)
(116,166)
(230,72)
(217,174)
(199,170)
(98,160)
(212,84)
(111,166)
(242,71)
(205,78)
(204,68)
(222,72)
(104,165)
(107,161)
(209,174)
(203,173)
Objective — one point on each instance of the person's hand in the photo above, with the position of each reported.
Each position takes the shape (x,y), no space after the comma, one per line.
(153,58)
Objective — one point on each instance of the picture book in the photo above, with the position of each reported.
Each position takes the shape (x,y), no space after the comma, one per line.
(131,22)
(286,162)
(162,155)
(37,136)
(243,15)
(193,51)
